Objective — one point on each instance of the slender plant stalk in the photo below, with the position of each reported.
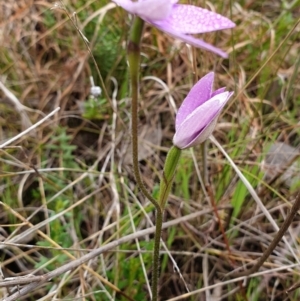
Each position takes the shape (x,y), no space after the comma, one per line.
(164,191)
(133,53)
(156,257)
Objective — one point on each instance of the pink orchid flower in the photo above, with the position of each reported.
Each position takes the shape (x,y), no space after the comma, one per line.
(198,114)
(179,20)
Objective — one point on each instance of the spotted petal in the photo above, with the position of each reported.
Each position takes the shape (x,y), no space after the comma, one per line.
(192,19)
(198,126)
(187,38)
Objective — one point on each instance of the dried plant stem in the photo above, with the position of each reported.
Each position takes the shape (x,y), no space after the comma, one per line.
(133,51)
(281,231)
(221,228)
(254,195)
(275,241)
(230,257)
(29,129)
(263,66)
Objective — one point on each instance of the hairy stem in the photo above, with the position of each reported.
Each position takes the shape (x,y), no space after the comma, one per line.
(133,52)
(155,271)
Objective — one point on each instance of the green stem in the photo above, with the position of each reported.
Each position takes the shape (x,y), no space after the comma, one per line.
(133,53)
(164,191)
(156,249)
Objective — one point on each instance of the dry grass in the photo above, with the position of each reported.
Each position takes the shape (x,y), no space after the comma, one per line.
(67,188)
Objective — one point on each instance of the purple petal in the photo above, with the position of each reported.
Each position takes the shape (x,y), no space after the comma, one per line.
(148,9)
(187,39)
(198,95)
(192,19)
(219,91)
(198,126)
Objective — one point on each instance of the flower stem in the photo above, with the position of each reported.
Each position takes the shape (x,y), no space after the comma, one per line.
(133,54)
(156,249)
(164,191)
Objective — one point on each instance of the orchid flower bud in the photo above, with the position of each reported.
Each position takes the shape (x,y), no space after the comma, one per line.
(198,114)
